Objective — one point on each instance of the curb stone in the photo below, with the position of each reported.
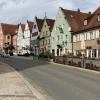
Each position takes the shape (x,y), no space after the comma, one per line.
(82,69)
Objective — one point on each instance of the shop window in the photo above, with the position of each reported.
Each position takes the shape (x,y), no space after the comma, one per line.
(8,37)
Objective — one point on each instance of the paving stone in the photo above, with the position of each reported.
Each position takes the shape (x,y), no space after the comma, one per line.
(12,87)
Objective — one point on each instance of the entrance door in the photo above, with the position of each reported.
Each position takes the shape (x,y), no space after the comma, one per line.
(57,52)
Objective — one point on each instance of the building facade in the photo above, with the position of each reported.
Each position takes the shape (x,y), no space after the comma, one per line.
(90,33)
(45,36)
(27,35)
(61,43)
(35,36)
(20,38)
(8,37)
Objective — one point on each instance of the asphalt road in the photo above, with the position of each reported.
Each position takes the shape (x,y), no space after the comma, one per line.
(62,83)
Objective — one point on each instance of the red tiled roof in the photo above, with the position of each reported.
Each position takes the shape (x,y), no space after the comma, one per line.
(23,27)
(50,23)
(74,18)
(9,28)
(92,21)
(30,25)
(39,23)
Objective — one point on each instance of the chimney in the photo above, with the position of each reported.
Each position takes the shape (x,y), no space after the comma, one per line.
(89,13)
(78,10)
(35,17)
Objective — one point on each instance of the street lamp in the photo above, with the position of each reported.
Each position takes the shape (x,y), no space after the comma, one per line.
(83,51)
(35,49)
(98,42)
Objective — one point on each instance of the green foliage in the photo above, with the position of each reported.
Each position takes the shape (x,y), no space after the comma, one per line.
(68,55)
(47,54)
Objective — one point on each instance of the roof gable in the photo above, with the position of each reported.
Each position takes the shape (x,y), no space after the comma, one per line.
(30,25)
(39,23)
(21,26)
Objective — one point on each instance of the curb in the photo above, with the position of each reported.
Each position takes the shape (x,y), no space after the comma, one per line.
(78,68)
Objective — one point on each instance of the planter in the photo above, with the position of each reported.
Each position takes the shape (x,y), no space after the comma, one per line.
(51,60)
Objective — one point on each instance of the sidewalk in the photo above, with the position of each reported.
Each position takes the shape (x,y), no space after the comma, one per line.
(12,86)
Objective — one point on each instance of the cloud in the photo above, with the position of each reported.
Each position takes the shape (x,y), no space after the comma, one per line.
(2,5)
(16,11)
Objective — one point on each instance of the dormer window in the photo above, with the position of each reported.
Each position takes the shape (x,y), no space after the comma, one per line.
(98,17)
(85,22)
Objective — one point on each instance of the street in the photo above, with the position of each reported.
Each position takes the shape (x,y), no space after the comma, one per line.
(58,81)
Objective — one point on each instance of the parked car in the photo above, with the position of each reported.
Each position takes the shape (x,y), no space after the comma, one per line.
(23,53)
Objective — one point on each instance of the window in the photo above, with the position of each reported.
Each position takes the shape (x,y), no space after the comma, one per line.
(62,42)
(34,34)
(88,36)
(56,28)
(48,41)
(78,37)
(43,42)
(60,29)
(66,36)
(81,36)
(99,17)
(74,38)
(8,37)
(85,36)
(43,34)
(53,38)
(46,32)
(99,53)
(99,33)
(85,22)
(58,37)
(91,35)
(61,37)
(34,26)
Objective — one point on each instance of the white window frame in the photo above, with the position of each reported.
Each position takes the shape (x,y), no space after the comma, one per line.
(99,17)
(85,22)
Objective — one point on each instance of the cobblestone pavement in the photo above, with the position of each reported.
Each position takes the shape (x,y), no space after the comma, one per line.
(12,86)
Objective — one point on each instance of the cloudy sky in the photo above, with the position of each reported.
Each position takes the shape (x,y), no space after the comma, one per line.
(16,11)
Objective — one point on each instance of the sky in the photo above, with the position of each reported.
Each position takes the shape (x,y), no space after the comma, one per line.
(16,11)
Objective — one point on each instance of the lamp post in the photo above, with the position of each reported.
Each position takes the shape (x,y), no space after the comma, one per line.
(98,42)
(83,51)
(35,49)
